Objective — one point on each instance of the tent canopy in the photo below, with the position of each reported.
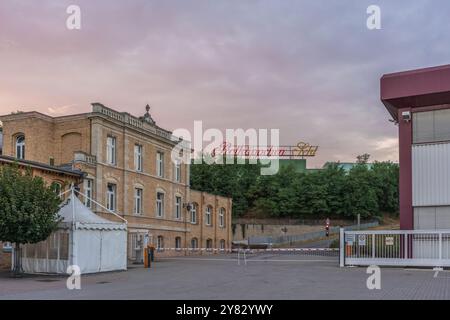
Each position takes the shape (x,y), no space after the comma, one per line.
(84,239)
(84,218)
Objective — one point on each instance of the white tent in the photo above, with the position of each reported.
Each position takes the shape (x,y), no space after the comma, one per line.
(84,239)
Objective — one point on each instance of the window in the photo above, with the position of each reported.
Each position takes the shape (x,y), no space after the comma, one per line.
(57,188)
(222,217)
(20,147)
(111,197)
(138,201)
(208,215)
(111,150)
(160,164)
(222,244)
(138,157)
(209,244)
(431,126)
(159,204)
(194,213)
(194,243)
(177,207)
(160,243)
(178,243)
(88,192)
(177,170)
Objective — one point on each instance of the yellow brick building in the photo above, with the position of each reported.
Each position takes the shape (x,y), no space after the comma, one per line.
(127,166)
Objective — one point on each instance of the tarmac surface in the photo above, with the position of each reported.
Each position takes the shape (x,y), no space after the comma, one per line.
(262,276)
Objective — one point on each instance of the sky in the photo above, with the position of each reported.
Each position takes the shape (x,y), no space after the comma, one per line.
(308,68)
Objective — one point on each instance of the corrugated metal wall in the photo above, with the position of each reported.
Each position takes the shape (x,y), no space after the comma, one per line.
(431,174)
(432,218)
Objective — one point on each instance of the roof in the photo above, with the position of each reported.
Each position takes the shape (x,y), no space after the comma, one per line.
(42,166)
(85,218)
(415,88)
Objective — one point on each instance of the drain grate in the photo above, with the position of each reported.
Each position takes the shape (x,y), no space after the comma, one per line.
(103,282)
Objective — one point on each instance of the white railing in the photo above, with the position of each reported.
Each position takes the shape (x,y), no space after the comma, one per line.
(132,121)
(425,248)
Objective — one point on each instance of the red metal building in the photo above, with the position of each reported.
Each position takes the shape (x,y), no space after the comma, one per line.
(419,101)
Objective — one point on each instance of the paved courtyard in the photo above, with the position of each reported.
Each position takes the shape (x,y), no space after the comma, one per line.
(267,276)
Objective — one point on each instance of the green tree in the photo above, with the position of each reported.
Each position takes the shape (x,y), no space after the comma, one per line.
(363,158)
(360,196)
(384,179)
(332,192)
(28,209)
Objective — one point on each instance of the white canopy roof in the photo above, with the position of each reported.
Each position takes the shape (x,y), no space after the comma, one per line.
(85,218)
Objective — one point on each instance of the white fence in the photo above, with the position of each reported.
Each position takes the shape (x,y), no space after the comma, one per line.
(395,248)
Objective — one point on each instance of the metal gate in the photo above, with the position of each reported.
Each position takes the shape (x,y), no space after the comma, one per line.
(395,248)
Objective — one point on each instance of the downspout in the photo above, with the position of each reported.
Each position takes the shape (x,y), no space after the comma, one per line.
(188,201)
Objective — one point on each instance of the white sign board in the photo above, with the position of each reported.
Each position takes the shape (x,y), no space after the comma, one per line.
(362,239)
(349,239)
(389,241)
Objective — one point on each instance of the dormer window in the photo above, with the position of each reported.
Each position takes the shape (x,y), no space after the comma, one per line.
(20,147)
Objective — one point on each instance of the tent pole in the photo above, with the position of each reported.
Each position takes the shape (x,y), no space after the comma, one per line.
(72,199)
(103,207)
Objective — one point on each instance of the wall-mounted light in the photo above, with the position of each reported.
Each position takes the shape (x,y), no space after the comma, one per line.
(188,206)
(406,116)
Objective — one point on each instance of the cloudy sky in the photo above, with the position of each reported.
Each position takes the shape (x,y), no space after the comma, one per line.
(310,68)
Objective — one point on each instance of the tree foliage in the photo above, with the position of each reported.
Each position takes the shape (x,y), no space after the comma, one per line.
(28,207)
(365,190)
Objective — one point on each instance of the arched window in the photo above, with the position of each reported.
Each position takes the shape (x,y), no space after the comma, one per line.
(178,243)
(194,243)
(160,243)
(194,213)
(20,147)
(209,244)
(57,188)
(208,215)
(222,217)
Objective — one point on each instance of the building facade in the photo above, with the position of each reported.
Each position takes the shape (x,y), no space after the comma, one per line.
(419,102)
(127,166)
